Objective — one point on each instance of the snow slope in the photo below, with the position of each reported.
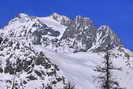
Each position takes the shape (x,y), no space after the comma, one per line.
(79,68)
(53,24)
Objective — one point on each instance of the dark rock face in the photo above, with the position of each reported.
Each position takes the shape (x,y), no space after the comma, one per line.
(80,34)
(104,38)
(1,39)
(22,65)
(41,31)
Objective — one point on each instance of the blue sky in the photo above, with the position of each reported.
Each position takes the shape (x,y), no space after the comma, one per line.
(118,14)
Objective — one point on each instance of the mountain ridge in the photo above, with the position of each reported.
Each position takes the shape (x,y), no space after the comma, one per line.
(68,49)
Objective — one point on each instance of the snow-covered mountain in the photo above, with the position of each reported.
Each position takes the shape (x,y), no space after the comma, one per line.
(49,52)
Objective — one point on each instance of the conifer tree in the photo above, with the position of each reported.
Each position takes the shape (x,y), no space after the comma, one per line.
(105,78)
